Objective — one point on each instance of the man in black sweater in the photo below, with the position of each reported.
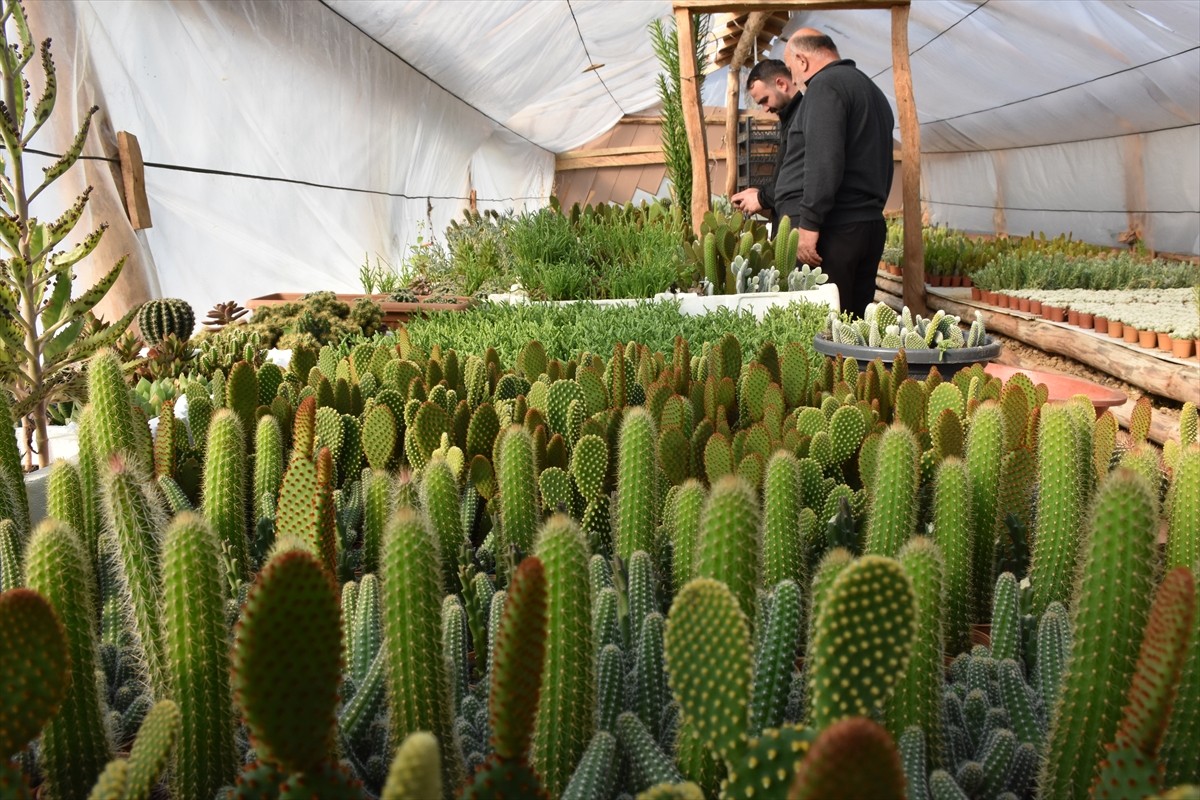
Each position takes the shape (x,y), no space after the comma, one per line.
(770,85)
(838,170)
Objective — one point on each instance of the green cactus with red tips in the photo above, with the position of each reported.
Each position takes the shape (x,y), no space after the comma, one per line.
(74,746)
(851,758)
(418,683)
(304,428)
(224,501)
(565,714)
(35,667)
(1059,509)
(1118,569)
(729,547)
(636,483)
(893,516)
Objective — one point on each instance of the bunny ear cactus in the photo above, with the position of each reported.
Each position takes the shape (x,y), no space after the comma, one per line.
(853,758)
(35,668)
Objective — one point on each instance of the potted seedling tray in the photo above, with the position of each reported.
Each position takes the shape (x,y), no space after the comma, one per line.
(696,305)
(920,361)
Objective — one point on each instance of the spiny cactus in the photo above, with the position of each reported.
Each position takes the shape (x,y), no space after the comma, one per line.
(783,556)
(440,501)
(685,530)
(728,547)
(14,502)
(851,758)
(636,483)
(12,571)
(1059,512)
(918,695)
(109,397)
(35,667)
(151,749)
(517,476)
(1053,650)
(565,713)
(871,600)
(775,658)
(241,396)
(953,533)
(984,457)
(170,316)
(75,746)
(418,684)
(196,656)
(893,517)
(1118,567)
(268,464)
(1183,511)
(224,501)
(1182,738)
(415,773)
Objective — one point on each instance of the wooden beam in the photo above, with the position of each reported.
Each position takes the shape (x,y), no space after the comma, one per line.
(626,160)
(748,39)
(609,151)
(133,178)
(910,165)
(744,6)
(713,117)
(693,116)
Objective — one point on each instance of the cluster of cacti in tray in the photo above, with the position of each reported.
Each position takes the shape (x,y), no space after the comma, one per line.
(391,573)
(882,326)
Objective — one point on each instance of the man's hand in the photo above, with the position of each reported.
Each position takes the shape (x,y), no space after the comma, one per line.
(747,201)
(806,253)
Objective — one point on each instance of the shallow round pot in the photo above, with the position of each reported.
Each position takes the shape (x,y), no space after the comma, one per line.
(1063,387)
(947,362)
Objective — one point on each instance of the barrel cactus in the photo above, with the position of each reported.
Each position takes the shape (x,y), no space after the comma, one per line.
(158,319)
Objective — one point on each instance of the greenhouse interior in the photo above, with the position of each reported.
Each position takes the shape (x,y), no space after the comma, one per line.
(600,399)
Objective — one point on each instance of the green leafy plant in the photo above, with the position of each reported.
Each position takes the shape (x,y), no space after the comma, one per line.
(677,153)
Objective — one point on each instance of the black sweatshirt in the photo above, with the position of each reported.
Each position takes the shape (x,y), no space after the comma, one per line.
(839,152)
(766,194)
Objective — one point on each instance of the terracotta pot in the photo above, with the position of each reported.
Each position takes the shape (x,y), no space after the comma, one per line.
(893,269)
(1072,316)
(1148,339)
(1101,324)
(1054,313)
(1116,329)
(956,280)
(1131,334)
(1196,343)
(1035,306)
(1164,342)
(1087,321)
(1023,304)
(967,281)
(976,293)
(1181,348)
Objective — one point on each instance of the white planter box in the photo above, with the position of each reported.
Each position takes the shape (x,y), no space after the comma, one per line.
(696,305)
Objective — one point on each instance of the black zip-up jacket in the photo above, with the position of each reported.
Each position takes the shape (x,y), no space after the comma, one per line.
(766,194)
(839,152)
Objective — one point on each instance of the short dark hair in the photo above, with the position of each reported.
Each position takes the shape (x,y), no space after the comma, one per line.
(768,70)
(810,43)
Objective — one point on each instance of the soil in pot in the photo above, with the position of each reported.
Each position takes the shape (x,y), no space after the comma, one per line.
(1132,334)
(1148,339)
(1181,348)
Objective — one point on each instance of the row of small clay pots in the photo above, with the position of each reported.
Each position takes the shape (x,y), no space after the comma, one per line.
(1180,348)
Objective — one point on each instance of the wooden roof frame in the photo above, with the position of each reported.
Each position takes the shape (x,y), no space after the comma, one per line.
(910,132)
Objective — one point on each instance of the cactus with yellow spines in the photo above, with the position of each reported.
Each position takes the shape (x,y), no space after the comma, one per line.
(199,413)
(651,694)
(224,500)
(75,743)
(910,405)
(954,535)
(775,658)
(35,669)
(1133,763)
(89,480)
(419,687)
(728,547)
(1117,573)
(268,464)
(918,696)
(167,444)
(108,394)
(12,571)
(984,459)
(685,531)
(871,600)
(379,437)
(565,710)
(297,515)
(241,395)
(893,515)
(847,427)
(851,758)
(64,496)
(440,501)
(648,764)
(782,542)
(415,772)
(1059,509)
(516,475)
(1104,441)
(636,483)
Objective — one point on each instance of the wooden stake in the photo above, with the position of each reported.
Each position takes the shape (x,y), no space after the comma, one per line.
(474,203)
(910,165)
(133,176)
(693,117)
(748,39)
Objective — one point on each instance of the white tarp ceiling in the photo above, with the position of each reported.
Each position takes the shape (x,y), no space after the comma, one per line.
(332,130)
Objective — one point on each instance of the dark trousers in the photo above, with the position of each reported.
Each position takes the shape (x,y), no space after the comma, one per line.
(850,257)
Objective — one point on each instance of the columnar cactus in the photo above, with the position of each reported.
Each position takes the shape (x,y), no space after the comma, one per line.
(985,454)
(418,684)
(685,531)
(893,517)
(224,501)
(440,501)
(783,555)
(14,502)
(636,483)
(729,544)
(12,570)
(1182,739)
(268,464)
(1118,570)
(241,393)
(517,476)
(75,744)
(170,316)
(64,496)
(109,397)
(565,713)
(1183,511)
(196,657)
(596,771)
(1059,512)
(415,772)
(775,658)
(870,601)
(953,533)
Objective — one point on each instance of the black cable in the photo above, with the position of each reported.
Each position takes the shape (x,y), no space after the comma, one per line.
(296,181)
(592,63)
(936,36)
(1057,210)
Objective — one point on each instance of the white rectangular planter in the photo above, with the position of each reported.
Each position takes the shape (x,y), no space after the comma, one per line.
(695,305)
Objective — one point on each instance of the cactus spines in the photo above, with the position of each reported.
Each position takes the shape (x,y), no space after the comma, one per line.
(196,656)
(1182,739)
(14,501)
(652,693)
(412,593)
(594,775)
(871,600)
(64,497)
(708,663)
(109,396)
(35,667)
(415,773)
(953,533)
(151,749)
(1053,650)
(12,572)
(1059,511)
(440,501)
(728,547)
(1183,511)
(1006,618)
(268,464)
(776,657)
(893,516)
(984,457)
(565,711)
(684,531)
(377,491)
(379,436)
(783,557)
(516,674)
(636,483)
(852,758)
(169,316)
(75,743)
(224,500)
(1112,598)
(648,764)
(517,476)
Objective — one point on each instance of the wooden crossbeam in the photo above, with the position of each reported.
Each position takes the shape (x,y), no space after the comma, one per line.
(746,6)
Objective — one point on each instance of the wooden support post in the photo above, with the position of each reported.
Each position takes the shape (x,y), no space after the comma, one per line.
(473,200)
(133,179)
(910,164)
(754,24)
(693,116)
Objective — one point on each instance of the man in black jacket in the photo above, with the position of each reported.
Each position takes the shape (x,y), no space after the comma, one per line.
(770,85)
(839,168)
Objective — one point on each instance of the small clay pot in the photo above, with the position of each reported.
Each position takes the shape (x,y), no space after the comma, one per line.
(1072,316)
(1164,342)
(1023,304)
(956,281)
(967,280)
(1148,339)
(1053,313)
(1132,334)
(1101,324)
(1116,329)
(976,293)
(1181,348)
(1086,321)
(1035,307)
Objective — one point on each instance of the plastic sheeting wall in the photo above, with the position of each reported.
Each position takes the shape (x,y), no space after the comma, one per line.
(274,89)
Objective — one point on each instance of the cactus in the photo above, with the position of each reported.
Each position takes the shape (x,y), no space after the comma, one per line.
(195,653)
(418,684)
(684,531)
(1117,573)
(14,502)
(268,464)
(776,657)
(952,531)
(871,600)
(728,546)
(35,668)
(596,771)
(708,663)
(224,501)
(651,690)
(1006,619)
(12,572)
(75,745)
(415,773)
(636,483)
(1059,512)
(1053,650)
(1133,755)
(377,490)
(113,428)
(783,557)
(167,444)
(517,475)
(440,501)
(170,316)
(241,395)
(648,764)
(893,517)
(984,458)
(918,695)
(64,496)
(565,711)
(1182,738)
(1183,511)
(379,436)
(850,759)
(151,750)
(454,647)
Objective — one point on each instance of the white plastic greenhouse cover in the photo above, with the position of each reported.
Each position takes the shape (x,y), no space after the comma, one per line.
(286,141)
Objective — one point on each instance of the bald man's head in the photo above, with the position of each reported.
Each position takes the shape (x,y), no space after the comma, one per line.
(807,51)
